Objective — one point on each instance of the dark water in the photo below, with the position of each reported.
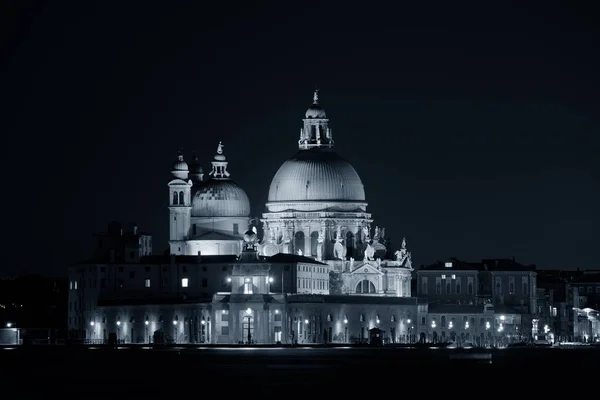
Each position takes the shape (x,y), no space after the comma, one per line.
(129,373)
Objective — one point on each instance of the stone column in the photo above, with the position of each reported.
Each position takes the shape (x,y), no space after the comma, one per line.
(307,241)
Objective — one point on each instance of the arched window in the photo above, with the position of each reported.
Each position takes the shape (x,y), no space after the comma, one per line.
(457,287)
(349,245)
(470,288)
(511,287)
(497,287)
(299,242)
(443,320)
(365,286)
(181,198)
(438,288)
(447,287)
(174,197)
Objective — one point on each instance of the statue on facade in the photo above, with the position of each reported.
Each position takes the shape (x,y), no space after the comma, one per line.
(220,148)
(339,251)
(321,237)
(382,233)
(369,252)
(320,251)
(376,234)
(300,252)
(338,233)
(272,234)
(366,233)
(351,263)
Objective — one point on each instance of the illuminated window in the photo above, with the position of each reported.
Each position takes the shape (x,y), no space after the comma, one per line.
(443,276)
(248,286)
(147,282)
(448,265)
(184,282)
(453,276)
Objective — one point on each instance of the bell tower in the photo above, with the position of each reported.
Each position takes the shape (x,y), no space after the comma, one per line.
(180,206)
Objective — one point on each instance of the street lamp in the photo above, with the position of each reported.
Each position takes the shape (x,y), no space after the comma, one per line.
(9,324)
(92,323)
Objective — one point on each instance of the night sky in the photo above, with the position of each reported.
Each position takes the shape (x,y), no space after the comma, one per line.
(474,126)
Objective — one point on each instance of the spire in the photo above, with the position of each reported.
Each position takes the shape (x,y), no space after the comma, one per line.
(219,164)
(316,132)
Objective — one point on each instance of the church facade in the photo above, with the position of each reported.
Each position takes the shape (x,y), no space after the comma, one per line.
(319,273)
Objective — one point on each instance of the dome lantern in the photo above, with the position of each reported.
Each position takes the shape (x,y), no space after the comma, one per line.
(219,164)
(316,132)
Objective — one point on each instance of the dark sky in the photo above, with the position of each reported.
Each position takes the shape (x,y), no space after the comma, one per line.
(474,126)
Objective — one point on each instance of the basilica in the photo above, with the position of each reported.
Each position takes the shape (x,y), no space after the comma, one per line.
(314,270)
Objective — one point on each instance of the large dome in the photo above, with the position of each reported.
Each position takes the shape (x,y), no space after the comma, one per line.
(316,174)
(220,198)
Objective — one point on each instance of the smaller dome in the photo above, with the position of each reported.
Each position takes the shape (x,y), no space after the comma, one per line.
(250,236)
(220,198)
(195,166)
(315,111)
(180,165)
(220,157)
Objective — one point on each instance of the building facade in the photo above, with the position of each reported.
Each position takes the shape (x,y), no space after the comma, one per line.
(320,272)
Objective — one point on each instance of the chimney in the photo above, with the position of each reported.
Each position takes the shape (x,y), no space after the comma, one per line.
(199,258)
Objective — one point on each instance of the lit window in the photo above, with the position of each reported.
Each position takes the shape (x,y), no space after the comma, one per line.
(184,282)
(443,276)
(448,265)
(147,282)
(453,276)
(248,286)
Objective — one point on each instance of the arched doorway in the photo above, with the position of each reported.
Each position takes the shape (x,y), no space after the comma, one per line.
(299,242)
(365,287)
(349,245)
(314,243)
(248,327)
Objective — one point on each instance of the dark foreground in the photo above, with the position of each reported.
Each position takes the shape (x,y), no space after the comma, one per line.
(133,373)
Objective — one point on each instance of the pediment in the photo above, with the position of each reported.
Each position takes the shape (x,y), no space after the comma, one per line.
(366,268)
